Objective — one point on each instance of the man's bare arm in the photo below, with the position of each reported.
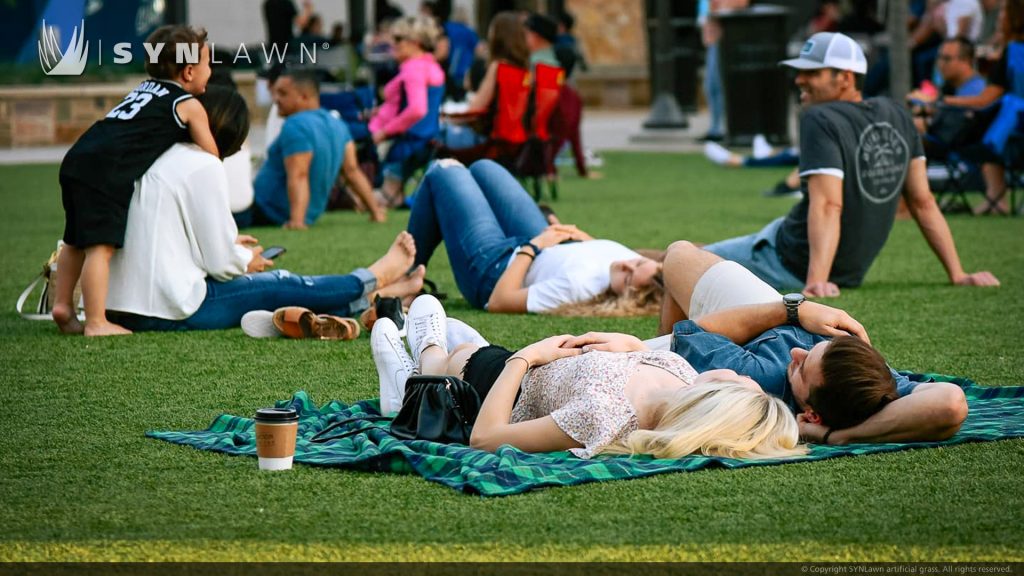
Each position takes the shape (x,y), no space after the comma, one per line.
(297,168)
(931,413)
(824,215)
(935,229)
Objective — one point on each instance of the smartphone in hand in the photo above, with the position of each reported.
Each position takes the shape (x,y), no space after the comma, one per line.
(273,252)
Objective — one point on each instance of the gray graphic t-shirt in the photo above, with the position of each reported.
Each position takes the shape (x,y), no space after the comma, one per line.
(869,145)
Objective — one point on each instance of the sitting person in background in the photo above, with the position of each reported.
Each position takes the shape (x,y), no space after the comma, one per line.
(185,267)
(506,46)
(550,396)
(507,259)
(408,117)
(1005,78)
(567,47)
(312,34)
(541,33)
(294,184)
(959,78)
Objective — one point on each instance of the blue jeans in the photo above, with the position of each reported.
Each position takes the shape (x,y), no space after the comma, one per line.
(481,214)
(756,252)
(788,157)
(713,89)
(227,302)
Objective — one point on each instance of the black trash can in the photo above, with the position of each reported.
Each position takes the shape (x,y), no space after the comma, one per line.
(686,50)
(756,87)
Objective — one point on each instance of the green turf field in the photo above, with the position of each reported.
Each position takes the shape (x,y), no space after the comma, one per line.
(78,481)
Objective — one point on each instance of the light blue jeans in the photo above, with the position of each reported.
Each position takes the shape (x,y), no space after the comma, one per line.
(481,214)
(713,89)
(227,302)
(756,252)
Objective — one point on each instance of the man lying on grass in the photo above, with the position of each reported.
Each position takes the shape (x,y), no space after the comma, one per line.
(816,358)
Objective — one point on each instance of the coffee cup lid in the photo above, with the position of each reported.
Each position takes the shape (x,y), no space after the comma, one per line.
(276,414)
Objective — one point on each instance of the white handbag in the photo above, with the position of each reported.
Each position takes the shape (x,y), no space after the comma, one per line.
(48,279)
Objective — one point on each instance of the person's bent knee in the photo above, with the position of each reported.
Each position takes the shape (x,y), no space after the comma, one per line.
(448,163)
(484,165)
(955,407)
(680,248)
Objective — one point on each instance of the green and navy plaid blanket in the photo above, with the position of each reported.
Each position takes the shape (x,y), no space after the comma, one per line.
(995,413)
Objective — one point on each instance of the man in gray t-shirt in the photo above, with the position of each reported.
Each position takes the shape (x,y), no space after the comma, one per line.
(857,158)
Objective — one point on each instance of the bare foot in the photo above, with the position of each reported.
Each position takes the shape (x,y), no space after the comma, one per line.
(105,328)
(394,264)
(67,320)
(409,286)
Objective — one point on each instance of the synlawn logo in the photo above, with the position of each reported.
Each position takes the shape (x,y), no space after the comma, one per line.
(71,61)
(67,62)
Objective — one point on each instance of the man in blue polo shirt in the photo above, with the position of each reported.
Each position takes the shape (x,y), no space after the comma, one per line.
(294,184)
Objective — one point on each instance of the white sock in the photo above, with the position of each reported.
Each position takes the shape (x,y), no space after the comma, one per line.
(717,153)
(460,333)
(762,149)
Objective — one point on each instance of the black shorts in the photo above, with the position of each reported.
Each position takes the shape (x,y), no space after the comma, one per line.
(93,216)
(483,368)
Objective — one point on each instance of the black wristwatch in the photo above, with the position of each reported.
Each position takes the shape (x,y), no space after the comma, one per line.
(793,301)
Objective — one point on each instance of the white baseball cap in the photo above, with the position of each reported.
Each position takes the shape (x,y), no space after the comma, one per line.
(830,50)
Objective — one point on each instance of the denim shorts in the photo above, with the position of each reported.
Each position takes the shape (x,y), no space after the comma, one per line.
(756,252)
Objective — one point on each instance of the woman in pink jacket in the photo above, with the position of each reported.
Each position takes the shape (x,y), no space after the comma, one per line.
(408,117)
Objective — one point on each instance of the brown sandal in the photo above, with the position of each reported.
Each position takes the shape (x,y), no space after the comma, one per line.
(297,322)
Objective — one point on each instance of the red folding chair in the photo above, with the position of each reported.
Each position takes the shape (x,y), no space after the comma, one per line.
(506,115)
(537,158)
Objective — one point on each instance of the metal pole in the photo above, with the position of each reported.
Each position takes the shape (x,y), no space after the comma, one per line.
(899,52)
(665,112)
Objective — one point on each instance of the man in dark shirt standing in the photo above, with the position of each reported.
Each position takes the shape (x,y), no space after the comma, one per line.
(857,157)
(282,18)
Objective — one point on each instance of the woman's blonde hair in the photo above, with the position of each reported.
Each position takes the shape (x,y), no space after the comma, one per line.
(420,29)
(718,419)
(645,301)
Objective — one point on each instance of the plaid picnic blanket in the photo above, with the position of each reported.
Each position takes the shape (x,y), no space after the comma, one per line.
(995,413)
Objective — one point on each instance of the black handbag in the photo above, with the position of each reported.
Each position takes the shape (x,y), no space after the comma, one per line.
(436,408)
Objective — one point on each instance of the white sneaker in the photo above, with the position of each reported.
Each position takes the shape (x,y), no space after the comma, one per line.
(761,147)
(425,325)
(394,365)
(460,333)
(717,153)
(260,324)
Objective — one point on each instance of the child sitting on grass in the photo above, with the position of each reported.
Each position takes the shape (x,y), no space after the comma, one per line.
(97,176)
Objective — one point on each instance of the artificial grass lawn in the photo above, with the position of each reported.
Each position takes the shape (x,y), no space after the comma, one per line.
(78,481)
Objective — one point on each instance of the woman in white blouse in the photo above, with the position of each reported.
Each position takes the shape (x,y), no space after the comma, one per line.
(185,267)
(554,395)
(506,258)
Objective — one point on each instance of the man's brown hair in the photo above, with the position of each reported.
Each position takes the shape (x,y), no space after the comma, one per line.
(166,66)
(857,383)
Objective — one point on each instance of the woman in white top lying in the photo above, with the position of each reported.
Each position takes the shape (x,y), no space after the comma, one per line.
(507,259)
(184,266)
(555,395)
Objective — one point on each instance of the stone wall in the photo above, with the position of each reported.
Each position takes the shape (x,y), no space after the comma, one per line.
(613,38)
(611,32)
(58,114)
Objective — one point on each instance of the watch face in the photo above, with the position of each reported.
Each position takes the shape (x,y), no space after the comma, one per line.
(793,299)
